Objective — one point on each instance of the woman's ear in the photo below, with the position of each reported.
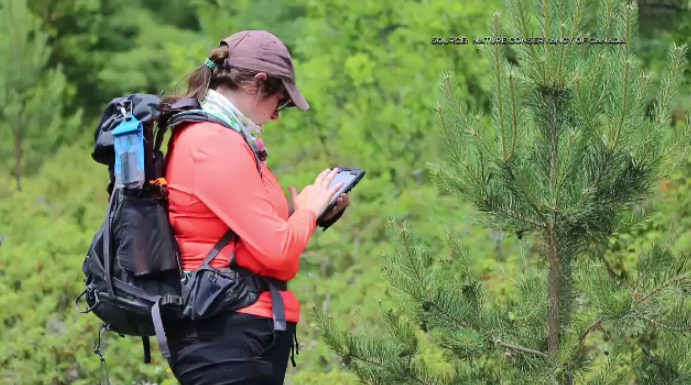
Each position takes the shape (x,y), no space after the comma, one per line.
(259,79)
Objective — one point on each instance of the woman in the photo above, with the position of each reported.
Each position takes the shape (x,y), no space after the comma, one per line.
(217,179)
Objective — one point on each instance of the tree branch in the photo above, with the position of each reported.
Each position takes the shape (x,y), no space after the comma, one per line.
(381,365)
(449,316)
(594,326)
(429,298)
(511,215)
(662,287)
(610,269)
(530,202)
(521,349)
(664,326)
(598,323)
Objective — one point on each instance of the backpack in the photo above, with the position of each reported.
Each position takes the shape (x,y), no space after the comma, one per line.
(134,280)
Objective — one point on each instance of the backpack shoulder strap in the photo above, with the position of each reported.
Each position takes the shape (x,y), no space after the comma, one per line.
(223,242)
(197,116)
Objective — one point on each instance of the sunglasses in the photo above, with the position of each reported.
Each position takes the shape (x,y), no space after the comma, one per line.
(283,103)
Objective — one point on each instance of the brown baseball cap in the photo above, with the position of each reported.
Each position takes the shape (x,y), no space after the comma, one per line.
(259,50)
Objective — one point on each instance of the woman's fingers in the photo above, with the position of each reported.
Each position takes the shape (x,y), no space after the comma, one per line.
(343,202)
(326,176)
(330,177)
(334,190)
(321,176)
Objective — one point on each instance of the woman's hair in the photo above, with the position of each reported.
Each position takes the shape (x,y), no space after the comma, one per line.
(204,78)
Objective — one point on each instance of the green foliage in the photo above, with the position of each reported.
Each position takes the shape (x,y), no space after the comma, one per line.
(114,47)
(29,131)
(570,155)
(45,230)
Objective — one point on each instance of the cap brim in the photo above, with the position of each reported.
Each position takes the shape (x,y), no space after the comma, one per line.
(298,100)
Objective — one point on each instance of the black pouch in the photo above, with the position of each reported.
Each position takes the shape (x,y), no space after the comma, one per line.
(146,243)
(208,291)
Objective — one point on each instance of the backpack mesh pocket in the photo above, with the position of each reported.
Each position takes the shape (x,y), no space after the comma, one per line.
(143,237)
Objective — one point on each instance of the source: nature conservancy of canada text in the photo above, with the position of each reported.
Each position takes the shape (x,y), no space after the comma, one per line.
(524,40)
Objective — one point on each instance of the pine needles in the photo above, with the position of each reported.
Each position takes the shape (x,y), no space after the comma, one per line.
(571,152)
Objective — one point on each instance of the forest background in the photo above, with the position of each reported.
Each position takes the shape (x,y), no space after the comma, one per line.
(370,72)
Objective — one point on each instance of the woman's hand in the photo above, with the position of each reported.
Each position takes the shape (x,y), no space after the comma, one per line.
(316,197)
(343,202)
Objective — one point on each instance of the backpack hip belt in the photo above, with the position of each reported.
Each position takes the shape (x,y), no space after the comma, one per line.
(208,291)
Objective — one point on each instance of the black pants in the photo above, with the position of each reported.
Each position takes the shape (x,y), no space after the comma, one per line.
(231,349)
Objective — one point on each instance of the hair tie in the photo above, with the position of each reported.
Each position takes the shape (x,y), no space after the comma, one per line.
(209,63)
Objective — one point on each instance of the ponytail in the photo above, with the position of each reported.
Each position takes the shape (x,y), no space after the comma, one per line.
(199,81)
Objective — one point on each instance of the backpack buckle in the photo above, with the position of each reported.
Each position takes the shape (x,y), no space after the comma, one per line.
(171,300)
(123,110)
(213,276)
(162,185)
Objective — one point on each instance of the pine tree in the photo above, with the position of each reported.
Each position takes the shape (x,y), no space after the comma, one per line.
(575,146)
(31,94)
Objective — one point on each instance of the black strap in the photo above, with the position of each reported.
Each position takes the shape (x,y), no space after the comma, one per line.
(297,345)
(294,348)
(258,282)
(279,308)
(182,117)
(135,291)
(185,103)
(98,349)
(223,242)
(193,117)
(147,349)
(181,104)
(261,284)
(106,243)
(279,311)
(157,319)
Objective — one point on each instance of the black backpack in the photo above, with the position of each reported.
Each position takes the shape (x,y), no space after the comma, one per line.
(133,275)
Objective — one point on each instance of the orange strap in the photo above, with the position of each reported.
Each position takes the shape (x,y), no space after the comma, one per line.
(162,184)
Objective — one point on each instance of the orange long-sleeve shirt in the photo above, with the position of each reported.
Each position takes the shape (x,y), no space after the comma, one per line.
(214,185)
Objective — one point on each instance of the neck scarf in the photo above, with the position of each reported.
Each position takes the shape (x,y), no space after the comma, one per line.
(218,105)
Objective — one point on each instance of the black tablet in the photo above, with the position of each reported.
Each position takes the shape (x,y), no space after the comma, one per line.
(351,177)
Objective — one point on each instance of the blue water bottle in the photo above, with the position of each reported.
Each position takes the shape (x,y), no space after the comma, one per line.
(128,138)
